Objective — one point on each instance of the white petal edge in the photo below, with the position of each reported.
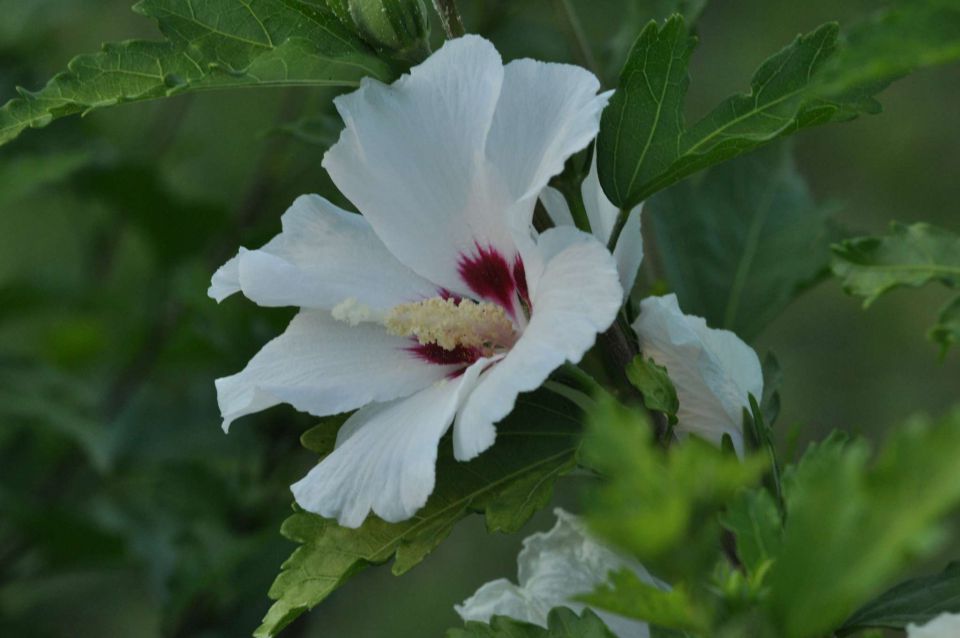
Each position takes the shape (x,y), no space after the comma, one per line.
(387,462)
(603,214)
(324,256)
(556,206)
(946,625)
(546,113)
(323,366)
(411,160)
(553,568)
(577,296)
(713,370)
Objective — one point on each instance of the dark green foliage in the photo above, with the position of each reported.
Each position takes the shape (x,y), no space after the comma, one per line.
(742,240)
(910,256)
(654,384)
(916,601)
(508,484)
(216,44)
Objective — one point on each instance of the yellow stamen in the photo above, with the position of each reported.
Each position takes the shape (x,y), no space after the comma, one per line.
(449,324)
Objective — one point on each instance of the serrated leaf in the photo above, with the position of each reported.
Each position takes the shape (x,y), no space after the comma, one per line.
(916,601)
(853,524)
(808,83)
(909,256)
(536,444)
(755,522)
(742,240)
(653,382)
(640,127)
(561,623)
(210,44)
(626,595)
(660,505)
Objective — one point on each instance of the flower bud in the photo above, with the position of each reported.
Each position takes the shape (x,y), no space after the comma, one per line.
(399,26)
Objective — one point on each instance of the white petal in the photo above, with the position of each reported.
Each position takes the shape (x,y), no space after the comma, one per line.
(603,216)
(324,256)
(546,113)
(577,296)
(411,160)
(557,207)
(945,625)
(628,252)
(502,598)
(323,366)
(226,281)
(601,212)
(554,568)
(713,370)
(387,462)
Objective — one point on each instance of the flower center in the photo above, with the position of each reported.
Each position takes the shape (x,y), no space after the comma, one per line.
(451,324)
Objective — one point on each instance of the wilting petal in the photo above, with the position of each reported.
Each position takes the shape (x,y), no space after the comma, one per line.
(554,568)
(324,256)
(943,626)
(323,366)
(577,296)
(411,160)
(713,370)
(386,462)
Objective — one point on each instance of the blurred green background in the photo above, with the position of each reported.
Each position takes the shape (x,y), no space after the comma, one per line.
(125,511)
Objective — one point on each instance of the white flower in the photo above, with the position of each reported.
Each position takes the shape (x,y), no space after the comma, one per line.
(713,371)
(602,215)
(943,626)
(554,568)
(440,303)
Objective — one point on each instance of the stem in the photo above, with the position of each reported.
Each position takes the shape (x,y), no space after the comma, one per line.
(618,228)
(578,36)
(449,18)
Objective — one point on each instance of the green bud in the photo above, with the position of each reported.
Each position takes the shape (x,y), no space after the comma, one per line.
(399,26)
(341,9)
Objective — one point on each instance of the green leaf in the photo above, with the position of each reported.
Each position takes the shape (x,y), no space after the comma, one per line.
(915,601)
(655,385)
(947,330)
(757,527)
(907,36)
(852,525)
(644,146)
(659,504)
(508,483)
(626,595)
(772,380)
(562,623)
(742,240)
(211,44)
(910,256)
(640,127)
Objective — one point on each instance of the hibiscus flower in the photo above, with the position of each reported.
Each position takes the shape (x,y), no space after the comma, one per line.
(713,370)
(440,304)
